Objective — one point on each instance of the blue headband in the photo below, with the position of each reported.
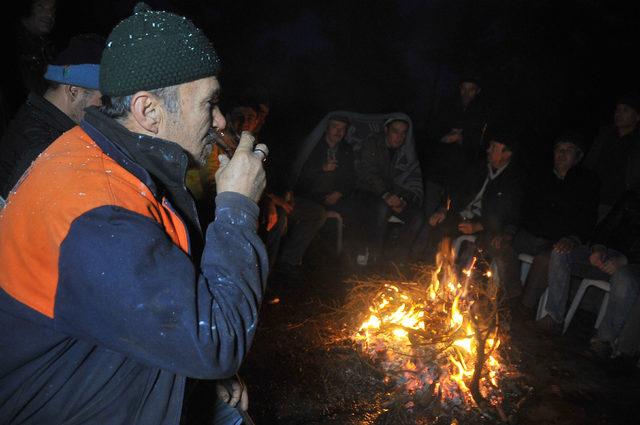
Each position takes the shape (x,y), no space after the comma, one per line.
(84,75)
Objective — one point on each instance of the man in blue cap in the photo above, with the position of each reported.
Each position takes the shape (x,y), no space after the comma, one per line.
(72,86)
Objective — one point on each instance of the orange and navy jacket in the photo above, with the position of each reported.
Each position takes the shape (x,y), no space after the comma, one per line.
(103,313)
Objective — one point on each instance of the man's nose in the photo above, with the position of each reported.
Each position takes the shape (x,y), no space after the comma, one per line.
(219,120)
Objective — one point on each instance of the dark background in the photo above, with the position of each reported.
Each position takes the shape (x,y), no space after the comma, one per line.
(553,65)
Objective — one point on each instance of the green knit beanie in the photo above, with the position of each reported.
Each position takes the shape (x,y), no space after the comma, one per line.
(154,49)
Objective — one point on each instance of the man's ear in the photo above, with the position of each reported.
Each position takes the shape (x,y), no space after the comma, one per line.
(145,109)
(72,93)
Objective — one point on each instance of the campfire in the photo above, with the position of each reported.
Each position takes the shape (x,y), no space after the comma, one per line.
(437,338)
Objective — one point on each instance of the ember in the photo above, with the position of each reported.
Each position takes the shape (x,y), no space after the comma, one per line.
(436,338)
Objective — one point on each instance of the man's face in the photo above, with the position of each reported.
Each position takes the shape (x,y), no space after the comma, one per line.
(625,116)
(468,92)
(396,133)
(198,112)
(250,119)
(336,131)
(43,16)
(85,98)
(565,156)
(497,154)
(263,113)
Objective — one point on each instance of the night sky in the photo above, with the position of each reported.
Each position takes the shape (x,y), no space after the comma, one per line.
(553,65)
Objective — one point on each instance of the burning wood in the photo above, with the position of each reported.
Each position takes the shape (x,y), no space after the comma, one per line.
(437,338)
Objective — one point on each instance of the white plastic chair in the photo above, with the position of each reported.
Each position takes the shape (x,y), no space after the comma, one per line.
(542,304)
(339,225)
(525,265)
(584,285)
(457,243)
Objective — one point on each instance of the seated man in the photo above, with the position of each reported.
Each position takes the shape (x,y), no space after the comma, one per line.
(616,242)
(389,183)
(72,80)
(325,184)
(560,209)
(490,207)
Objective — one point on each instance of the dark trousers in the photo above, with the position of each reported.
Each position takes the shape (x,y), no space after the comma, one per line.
(304,222)
(376,213)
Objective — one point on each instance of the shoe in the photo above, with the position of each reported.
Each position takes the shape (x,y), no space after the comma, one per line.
(548,325)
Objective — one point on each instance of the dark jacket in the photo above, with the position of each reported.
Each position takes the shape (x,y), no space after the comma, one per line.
(620,229)
(314,183)
(617,162)
(103,309)
(35,126)
(501,201)
(380,170)
(449,161)
(556,208)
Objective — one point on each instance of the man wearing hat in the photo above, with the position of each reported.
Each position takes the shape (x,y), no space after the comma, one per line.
(615,154)
(111,294)
(491,205)
(72,86)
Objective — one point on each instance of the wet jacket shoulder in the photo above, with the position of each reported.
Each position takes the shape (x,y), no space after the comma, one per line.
(36,125)
(98,280)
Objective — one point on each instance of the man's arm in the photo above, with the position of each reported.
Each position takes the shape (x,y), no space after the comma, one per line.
(124,285)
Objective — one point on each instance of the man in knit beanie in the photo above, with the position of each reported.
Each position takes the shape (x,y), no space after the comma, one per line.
(112,292)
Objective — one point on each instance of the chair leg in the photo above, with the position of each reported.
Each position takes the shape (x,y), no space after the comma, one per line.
(524,271)
(542,311)
(603,310)
(574,305)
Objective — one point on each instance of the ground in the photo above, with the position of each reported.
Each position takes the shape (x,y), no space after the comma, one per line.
(298,373)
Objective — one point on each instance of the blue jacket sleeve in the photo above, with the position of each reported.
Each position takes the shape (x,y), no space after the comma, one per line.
(125,286)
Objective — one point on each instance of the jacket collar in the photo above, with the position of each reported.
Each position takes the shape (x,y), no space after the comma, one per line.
(160,164)
(54,116)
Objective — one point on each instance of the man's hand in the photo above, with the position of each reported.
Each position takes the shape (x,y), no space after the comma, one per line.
(470,227)
(330,165)
(393,200)
(272,215)
(399,208)
(277,200)
(501,241)
(332,198)
(437,218)
(244,173)
(233,392)
(613,264)
(565,245)
(454,136)
(597,257)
